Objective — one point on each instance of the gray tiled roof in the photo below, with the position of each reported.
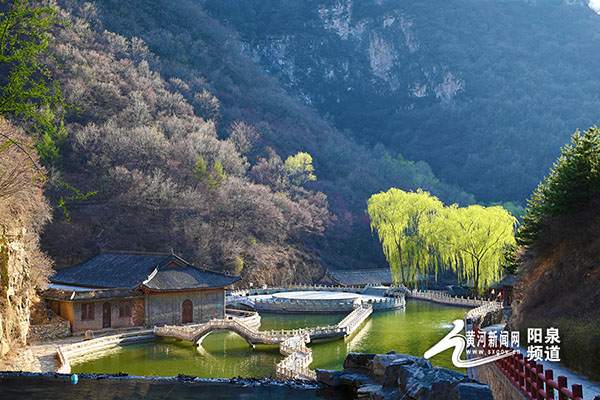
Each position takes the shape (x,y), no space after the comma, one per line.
(175,277)
(90,294)
(362,277)
(128,271)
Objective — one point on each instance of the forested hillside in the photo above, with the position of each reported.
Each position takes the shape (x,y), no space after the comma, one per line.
(485,91)
(559,274)
(191,147)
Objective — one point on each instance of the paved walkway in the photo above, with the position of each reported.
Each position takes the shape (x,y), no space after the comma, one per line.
(591,389)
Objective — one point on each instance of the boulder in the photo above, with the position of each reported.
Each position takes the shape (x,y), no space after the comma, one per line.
(359,360)
(328,377)
(354,380)
(382,361)
(401,377)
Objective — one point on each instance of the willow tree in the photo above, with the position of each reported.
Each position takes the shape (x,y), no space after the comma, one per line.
(474,241)
(405,223)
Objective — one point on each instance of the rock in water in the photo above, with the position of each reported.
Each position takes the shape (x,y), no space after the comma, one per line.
(400,376)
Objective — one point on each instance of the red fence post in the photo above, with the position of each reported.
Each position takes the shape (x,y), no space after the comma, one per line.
(539,369)
(577,391)
(521,371)
(527,377)
(562,383)
(533,377)
(514,359)
(549,374)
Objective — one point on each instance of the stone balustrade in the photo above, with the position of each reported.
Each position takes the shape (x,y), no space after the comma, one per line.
(436,296)
(484,309)
(294,287)
(67,353)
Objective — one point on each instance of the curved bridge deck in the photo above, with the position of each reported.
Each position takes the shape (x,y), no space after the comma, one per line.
(292,343)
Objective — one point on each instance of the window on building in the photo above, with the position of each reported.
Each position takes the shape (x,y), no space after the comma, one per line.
(125,308)
(87,311)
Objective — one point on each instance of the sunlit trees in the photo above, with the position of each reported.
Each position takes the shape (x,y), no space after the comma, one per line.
(405,222)
(474,240)
(419,234)
(300,168)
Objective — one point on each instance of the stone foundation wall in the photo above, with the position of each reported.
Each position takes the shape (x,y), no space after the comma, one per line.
(53,330)
(500,385)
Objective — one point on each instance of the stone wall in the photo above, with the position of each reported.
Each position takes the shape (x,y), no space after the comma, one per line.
(59,328)
(116,321)
(166,308)
(399,376)
(501,387)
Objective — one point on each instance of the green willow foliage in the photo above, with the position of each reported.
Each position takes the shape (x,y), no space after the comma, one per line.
(405,222)
(476,239)
(27,90)
(573,181)
(420,235)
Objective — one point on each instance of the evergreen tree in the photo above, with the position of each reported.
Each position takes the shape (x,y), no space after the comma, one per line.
(573,181)
(200,171)
(217,176)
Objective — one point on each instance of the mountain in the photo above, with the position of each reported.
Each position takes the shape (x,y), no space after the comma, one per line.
(484,91)
(190,147)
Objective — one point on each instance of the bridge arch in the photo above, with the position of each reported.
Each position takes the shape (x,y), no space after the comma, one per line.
(235,328)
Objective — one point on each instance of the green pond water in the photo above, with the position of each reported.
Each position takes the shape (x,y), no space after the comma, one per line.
(225,355)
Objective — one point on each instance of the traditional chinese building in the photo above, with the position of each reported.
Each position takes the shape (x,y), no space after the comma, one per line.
(379,276)
(507,284)
(124,289)
(360,277)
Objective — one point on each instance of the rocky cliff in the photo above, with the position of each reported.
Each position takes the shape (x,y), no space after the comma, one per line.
(23,211)
(469,87)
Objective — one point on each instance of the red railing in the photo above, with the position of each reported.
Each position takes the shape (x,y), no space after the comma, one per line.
(530,378)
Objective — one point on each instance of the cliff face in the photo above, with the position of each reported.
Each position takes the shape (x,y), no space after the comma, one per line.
(23,211)
(470,87)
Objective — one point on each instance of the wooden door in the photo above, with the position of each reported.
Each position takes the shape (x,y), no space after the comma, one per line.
(106,315)
(187,312)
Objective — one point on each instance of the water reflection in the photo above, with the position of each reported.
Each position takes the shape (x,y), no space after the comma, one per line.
(225,354)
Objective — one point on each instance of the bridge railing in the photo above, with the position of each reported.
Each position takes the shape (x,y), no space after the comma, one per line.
(298,287)
(64,367)
(529,377)
(437,296)
(483,309)
(299,357)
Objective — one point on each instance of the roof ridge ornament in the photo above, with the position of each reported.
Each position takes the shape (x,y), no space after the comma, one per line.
(152,275)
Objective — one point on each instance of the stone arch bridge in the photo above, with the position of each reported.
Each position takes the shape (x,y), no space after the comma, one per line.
(292,343)
(196,334)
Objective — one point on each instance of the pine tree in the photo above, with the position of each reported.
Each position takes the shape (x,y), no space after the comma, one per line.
(573,181)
